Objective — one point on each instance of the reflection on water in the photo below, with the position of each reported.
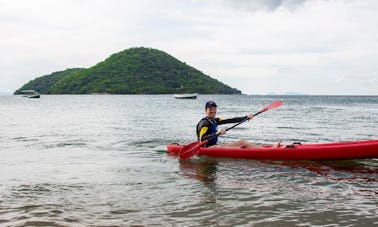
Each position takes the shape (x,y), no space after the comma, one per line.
(202,170)
(205,171)
(342,170)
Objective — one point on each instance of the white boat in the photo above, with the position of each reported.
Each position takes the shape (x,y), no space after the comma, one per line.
(35,96)
(186,96)
(30,94)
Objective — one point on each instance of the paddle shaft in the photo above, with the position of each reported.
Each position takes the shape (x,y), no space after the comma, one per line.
(244,120)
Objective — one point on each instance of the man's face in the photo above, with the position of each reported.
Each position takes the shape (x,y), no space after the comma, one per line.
(211,112)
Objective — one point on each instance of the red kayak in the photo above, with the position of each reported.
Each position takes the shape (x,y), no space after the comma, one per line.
(325,151)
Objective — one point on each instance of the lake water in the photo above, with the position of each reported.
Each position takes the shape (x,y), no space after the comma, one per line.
(100,160)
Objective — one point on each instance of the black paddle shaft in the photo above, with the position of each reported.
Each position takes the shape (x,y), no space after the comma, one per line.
(244,120)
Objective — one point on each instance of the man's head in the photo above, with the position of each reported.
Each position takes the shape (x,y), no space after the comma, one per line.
(211,109)
(210,104)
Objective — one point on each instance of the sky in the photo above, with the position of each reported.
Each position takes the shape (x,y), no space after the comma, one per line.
(315,47)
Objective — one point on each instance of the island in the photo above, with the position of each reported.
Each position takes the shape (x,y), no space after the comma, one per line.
(138,70)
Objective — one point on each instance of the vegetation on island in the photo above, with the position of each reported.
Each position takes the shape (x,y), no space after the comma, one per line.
(43,84)
(132,71)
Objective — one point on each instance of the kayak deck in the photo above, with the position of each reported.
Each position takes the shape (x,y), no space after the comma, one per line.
(323,151)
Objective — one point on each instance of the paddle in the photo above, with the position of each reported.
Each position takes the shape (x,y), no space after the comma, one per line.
(192,149)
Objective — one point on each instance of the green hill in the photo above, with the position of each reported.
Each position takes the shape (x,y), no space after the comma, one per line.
(132,71)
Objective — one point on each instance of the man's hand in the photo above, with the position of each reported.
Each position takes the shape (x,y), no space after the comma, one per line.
(250,116)
(221,132)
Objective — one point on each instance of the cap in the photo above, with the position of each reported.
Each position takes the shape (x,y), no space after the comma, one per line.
(210,104)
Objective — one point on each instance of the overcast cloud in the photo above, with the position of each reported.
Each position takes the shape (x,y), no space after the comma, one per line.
(257,46)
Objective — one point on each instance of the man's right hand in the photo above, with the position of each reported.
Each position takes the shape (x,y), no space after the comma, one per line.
(221,132)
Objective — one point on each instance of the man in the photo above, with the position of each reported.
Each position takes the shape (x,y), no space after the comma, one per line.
(208,127)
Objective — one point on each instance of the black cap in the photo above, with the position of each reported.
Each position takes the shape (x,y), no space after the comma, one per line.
(210,104)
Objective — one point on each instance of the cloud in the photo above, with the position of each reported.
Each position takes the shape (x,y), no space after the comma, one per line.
(265,5)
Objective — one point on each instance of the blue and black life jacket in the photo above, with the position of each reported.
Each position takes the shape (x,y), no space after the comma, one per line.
(212,129)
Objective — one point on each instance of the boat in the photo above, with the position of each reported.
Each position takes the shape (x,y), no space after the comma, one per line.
(186,96)
(364,149)
(35,96)
(30,94)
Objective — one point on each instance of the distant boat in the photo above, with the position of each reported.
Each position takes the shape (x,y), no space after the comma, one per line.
(36,96)
(186,96)
(30,94)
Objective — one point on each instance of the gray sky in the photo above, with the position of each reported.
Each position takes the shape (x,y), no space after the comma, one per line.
(257,46)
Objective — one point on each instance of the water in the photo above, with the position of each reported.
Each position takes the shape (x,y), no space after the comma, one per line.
(100,161)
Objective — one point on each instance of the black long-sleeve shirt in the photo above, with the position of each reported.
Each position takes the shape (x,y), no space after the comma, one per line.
(206,128)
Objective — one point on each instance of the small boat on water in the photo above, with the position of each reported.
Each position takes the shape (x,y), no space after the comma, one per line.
(323,151)
(186,96)
(36,96)
(30,94)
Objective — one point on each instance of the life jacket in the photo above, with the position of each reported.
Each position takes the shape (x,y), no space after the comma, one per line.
(213,128)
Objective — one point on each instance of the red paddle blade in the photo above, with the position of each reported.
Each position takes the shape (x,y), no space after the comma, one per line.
(272,105)
(190,150)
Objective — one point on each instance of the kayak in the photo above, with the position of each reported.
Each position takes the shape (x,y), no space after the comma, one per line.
(322,151)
